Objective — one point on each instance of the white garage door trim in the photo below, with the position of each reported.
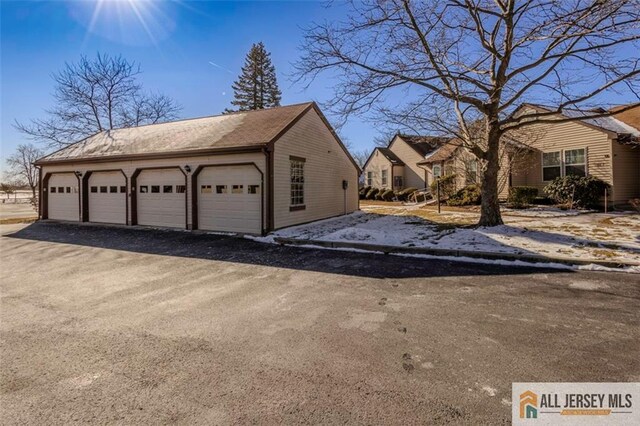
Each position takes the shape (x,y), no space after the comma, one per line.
(63,205)
(106,195)
(229,198)
(160,197)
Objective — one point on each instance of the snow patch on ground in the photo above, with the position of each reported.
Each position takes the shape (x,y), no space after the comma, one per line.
(589,237)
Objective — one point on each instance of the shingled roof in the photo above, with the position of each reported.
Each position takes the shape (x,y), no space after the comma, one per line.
(389,155)
(221,132)
(444,152)
(423,145)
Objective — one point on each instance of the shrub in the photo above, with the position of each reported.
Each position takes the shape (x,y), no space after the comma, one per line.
(635,203)
(467,196)
(542,201)
(371,194)
(576,191)
(522,196)
(386,195)
(363,192)
(447,186)
(403,195)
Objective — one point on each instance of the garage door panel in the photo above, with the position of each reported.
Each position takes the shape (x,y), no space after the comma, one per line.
(236,210)
(107,197)
(161,198)
(63,198)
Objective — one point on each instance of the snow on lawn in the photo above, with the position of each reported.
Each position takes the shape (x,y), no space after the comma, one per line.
(590,237)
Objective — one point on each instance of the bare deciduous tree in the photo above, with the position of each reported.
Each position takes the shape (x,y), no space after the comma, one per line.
(96,95)
(21,168)
(459,62)
(361,156)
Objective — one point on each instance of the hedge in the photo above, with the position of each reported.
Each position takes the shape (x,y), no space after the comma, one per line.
(403,195)
(371,194)
(467,196)
(522,196)
(577,191)
(386,195)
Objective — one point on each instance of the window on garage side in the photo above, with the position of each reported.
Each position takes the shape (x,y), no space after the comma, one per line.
(155,189)
(103,189)
(205,189)
(144,189)
(68,188)
(123,189)
(94,189)
(575,162)
(221,189)
(181,189)
(113,189)
(53,190)
(551,167)
(167,189)
(296,166)
(61,189)
(253,189)
(237,189)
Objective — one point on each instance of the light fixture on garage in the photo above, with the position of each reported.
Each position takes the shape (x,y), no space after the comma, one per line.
(78,174)
(187,168)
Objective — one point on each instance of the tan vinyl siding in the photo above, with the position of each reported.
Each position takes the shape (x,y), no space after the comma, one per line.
(626,173)
(561,137)
(413,174)
(375,166)
(326,166)
(130,166)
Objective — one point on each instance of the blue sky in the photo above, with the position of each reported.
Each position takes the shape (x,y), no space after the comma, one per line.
(175,51)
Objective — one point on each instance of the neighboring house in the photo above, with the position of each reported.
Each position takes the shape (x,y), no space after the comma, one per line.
(607,148)
(248,172)
(398,166)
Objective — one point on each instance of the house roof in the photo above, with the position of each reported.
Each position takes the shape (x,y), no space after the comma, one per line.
(625,123)
(443,152)
(389,155)
(423,145)
(629,117)
(248,129)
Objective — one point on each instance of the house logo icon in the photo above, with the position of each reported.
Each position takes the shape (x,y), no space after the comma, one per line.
(528,405)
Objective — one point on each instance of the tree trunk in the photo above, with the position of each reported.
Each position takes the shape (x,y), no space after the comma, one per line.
(490,208)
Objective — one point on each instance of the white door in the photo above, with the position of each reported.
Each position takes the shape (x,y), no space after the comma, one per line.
(63,198)
(230,199)
(107,197)
(161,198)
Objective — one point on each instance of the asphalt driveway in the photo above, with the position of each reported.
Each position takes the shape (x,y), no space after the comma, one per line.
(114,325)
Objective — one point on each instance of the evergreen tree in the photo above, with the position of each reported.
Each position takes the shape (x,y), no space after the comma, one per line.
(256,87)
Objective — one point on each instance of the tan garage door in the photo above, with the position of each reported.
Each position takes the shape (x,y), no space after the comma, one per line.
(107,197)
(161,198)
(230,199)
(63,198)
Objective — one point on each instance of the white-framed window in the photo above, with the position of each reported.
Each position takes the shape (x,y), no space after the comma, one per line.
(385,177)
(297,181)
(437,171)
(237,189)
(575,162)
(205,189)
(253,189)
(551,165)
(564,163)
(221,189)
(369,178)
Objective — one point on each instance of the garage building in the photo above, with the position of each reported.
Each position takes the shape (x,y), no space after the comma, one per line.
(246,172)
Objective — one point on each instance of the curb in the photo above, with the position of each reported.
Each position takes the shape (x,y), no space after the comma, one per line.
(449,252)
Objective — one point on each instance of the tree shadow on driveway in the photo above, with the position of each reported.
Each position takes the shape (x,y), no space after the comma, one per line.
(225,248)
